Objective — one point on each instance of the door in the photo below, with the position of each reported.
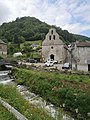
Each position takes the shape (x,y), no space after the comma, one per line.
(88,67)
(52,56)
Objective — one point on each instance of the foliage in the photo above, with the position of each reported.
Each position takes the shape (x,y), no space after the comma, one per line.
(13,48)
(13,97)
(5,114)
(63,90)
(31,29)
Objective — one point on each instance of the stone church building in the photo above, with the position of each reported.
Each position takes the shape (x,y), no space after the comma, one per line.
(53,47)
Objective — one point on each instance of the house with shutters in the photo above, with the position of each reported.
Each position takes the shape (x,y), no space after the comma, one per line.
(53,47)
(3,49)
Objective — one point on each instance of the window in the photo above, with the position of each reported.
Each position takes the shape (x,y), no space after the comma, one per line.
(51,31)
(50,37)
(52,47)
(54,37)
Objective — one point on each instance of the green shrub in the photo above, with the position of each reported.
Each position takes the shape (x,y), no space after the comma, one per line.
(5,114)
(13,97)
(59,89)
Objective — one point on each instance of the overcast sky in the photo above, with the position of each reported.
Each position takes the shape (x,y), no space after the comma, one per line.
(72,15)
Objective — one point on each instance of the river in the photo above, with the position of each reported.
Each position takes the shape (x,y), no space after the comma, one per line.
(34,99)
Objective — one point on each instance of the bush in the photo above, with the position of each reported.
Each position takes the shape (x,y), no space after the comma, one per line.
(5,114)
(63,90)
(13,97)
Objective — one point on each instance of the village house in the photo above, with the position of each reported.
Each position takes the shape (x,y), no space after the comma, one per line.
(3,49)
(53,47)
(81,53)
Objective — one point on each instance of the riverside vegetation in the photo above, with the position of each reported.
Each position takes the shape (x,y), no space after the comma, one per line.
(11,95)
(5,115)
(69,91)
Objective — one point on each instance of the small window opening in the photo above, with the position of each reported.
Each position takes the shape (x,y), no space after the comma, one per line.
(54,37)
(50,37)
(52,47)
(51,31)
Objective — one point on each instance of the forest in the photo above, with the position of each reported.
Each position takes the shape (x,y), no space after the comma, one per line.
(31,29)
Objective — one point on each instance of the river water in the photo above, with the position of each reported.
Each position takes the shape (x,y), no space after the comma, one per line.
(34,99)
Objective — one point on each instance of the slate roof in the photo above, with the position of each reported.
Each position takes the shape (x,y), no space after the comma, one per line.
(83,44)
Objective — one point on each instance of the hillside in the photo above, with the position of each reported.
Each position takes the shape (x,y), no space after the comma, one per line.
(30,29)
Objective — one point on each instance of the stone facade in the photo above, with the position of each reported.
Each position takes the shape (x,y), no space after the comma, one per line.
(81,52)
(3,49)
(53,47)
(81,55)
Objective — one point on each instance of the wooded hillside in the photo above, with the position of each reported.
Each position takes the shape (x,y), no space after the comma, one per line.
(30,29)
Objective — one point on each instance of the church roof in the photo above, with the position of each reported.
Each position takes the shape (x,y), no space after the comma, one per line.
(52,38)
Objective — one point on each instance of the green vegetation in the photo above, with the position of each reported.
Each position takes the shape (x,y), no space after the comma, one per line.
(13,97)
(70,91)
(29,49)
(31,29)
(30,43)
(5,114)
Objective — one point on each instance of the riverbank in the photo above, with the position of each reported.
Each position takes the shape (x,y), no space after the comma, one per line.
(5,115)
(34,100)
(72,92)
(11,95)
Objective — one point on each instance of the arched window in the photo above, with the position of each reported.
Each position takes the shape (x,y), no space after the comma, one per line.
(54,37)
(51,31)
(50,37)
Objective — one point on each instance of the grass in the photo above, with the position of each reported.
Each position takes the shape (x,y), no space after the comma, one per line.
(31,42)
(58,88)
(13,97)
(35,42)
(5,114)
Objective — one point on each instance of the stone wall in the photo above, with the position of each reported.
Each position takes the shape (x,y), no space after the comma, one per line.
(52,45)
(82,54)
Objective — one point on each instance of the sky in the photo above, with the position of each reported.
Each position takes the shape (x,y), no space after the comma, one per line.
(71,15)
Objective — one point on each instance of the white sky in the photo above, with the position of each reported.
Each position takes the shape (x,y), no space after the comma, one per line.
(72,15)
